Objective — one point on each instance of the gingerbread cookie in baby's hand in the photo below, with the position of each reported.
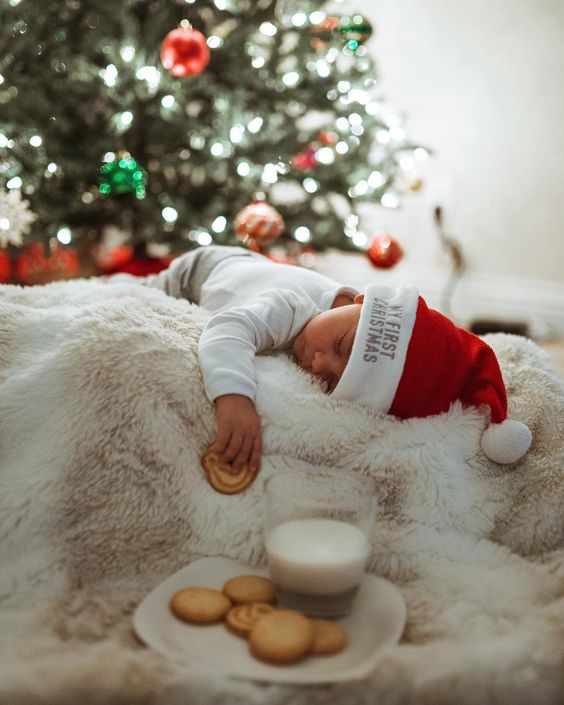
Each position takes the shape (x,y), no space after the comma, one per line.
(220,475)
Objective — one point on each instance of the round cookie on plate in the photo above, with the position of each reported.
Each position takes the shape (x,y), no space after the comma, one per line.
(284,636)
(329,637)
(200,605)
(242,618)
(250,588)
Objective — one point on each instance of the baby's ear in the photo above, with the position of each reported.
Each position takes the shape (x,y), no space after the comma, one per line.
(359,298)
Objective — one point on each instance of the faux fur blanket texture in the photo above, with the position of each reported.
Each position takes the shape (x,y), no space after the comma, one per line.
(103,421)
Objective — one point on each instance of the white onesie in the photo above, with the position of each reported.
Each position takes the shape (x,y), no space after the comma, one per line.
(258,304)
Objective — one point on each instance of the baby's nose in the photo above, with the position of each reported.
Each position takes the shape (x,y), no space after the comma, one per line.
(315,363)
(319,363)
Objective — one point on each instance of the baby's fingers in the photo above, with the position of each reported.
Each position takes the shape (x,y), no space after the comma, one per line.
(244,453)
(233,449)
(222,441)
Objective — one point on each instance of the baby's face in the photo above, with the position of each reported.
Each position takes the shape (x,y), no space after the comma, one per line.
(324,344)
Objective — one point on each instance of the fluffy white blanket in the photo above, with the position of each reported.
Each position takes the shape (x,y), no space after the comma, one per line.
(103,421)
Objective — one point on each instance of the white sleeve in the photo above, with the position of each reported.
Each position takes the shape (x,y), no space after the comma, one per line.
(232,337)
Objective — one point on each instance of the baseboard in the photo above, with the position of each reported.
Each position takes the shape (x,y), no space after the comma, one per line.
(537,303)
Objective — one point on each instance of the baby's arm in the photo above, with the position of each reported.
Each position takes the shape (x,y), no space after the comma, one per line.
(239,438)
(227,350)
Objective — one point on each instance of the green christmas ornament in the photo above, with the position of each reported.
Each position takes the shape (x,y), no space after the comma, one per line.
(122,175)
(355,30)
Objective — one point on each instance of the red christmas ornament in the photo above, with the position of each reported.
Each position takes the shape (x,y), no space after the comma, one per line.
(324,33)
(33,267)
(305,160)
(258,224)
(184,51)
(4,267)
(384,251)
(327,137)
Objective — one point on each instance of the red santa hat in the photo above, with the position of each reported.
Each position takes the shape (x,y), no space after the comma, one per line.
(409,360)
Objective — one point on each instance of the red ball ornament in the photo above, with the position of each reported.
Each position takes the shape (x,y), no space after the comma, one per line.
(184,51)
(328,137)
(324,33)
(4,267)
(305,160)
(258,224)
(384,251)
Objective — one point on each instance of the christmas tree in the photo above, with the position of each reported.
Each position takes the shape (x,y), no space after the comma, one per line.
(171,119)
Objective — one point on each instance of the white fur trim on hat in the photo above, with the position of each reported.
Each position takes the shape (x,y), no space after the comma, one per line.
(506,442)
(375,366)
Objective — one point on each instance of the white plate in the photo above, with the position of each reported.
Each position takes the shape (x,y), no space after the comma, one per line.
(376,622)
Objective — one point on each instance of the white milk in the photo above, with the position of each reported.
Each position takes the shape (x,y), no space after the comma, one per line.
(316,556)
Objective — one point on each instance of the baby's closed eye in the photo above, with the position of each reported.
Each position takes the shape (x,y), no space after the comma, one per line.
(343,346)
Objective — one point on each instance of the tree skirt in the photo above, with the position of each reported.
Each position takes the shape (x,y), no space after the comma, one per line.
(103,421)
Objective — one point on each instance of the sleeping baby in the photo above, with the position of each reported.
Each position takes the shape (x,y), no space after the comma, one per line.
(383,348)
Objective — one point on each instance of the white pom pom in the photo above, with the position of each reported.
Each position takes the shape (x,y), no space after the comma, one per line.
(506,442)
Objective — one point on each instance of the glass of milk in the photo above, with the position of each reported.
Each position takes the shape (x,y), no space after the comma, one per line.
(318,524)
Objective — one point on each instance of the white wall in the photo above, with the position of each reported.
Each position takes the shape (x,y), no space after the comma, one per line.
(482,83)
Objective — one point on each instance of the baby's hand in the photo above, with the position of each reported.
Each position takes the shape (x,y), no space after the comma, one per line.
(239,438)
